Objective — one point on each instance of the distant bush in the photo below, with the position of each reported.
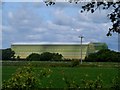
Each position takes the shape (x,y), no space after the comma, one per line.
(33,57)
(75,63)
(104,55)
(45,56)
(57,57)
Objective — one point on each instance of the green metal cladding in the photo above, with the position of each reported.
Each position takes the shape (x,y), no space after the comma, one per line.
(69,50)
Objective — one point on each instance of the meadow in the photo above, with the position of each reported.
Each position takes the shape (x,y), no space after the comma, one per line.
(88,70)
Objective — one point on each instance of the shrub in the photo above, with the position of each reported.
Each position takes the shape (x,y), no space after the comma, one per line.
(24,78)
(33,57)
(75,63)
(104,55)
(93,84)
(116,83)
(85,84)
(45,56)
(57,56)
(18,58)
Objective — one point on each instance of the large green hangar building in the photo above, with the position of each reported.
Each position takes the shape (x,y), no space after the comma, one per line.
(68,50)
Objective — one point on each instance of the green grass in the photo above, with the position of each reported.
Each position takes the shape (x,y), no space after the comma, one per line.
(79,73)
(7,71)
(73,73)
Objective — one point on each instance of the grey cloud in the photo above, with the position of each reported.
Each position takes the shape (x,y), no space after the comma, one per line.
(56,27)
(61,18)
(24,18)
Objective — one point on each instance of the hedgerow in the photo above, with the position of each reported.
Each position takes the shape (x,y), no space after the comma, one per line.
(24,78)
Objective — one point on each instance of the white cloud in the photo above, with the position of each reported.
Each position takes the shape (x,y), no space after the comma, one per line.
(33,37)
(40,29)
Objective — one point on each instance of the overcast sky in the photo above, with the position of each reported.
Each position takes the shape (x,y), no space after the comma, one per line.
(63,22)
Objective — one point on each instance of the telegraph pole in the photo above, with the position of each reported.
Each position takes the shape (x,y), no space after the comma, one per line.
(81,47)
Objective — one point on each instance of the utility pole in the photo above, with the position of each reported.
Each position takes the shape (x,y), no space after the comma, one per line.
(81,47)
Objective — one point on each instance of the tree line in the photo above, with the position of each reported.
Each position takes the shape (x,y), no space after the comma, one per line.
(104,55)
(9,54)
(45,56)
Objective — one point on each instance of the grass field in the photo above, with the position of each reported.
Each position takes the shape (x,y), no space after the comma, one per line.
(107,70)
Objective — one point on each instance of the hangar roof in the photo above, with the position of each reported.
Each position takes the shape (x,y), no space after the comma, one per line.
(48,43)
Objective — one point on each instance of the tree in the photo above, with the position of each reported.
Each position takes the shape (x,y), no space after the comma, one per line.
(33,57)
(104,55)
(93,5)
(7,54)
(45,56)
(57,56)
